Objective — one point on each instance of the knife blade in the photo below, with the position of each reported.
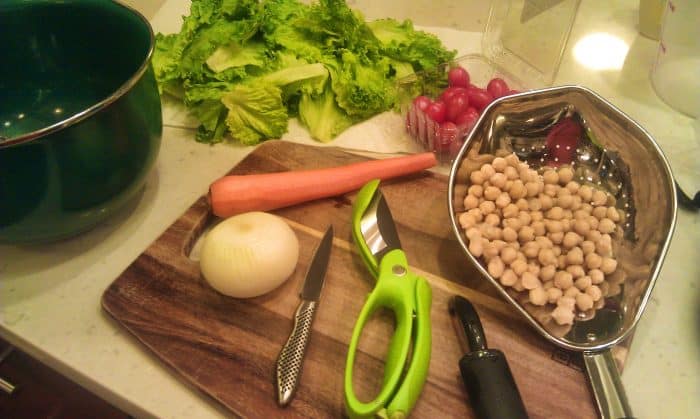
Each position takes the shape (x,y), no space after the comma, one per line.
(291,357)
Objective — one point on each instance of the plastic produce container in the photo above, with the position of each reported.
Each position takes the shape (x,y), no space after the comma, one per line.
(522,44)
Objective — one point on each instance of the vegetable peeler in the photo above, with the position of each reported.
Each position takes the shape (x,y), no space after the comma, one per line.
(401,291)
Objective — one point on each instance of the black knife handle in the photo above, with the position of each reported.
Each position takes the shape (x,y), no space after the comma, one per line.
(490,385)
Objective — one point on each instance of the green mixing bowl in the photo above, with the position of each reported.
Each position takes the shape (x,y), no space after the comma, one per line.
(80,115)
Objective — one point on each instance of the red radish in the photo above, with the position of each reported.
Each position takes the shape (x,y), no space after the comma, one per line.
(422,102)
(562,141)
(497,87)
(458,77)
(466,120)
(479,98)
(456,105)
(232,195)
(448,134)
(436,111)
(451,91)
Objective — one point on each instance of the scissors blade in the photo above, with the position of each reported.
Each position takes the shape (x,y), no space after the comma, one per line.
(317,269)
(378,228)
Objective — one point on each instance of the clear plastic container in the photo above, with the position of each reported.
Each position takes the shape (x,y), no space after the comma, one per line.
(522,44)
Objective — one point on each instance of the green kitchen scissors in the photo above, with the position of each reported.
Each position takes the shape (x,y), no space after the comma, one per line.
(401,291)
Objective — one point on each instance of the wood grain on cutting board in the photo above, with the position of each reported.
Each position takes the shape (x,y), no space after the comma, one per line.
(228,347)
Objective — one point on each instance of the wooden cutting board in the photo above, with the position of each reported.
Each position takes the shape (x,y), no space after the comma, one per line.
(228,347)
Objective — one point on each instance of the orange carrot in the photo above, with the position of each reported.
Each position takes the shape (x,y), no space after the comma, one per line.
(232,195)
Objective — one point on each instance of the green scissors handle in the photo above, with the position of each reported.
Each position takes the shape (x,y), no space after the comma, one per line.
(409,297)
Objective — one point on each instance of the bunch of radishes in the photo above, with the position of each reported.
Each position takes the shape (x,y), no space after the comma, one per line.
(441,124)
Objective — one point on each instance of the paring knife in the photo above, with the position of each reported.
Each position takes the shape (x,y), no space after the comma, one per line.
(291,358)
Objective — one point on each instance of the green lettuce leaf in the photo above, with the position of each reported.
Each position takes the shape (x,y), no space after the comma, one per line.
(322,116)
(255,112)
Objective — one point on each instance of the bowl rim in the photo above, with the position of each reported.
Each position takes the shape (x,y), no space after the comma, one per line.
(93,109)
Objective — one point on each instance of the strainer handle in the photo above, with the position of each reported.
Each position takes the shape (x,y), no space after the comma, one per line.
(607,386)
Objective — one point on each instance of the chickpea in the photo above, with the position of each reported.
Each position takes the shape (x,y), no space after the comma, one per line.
(471,201)
(587,207)
(583,283)
(503,200)
(534,204)
(476,190)
(490,250)
(566,175)
(487,170)
(498,180)
(594,236)
(544,242)
(511,172)
(509,234)
(508,279)
(567,214)
(518,286)
(536,216)
(547,272)
(571,239)
(513,223)
(573,187)
(510,210)
(553,226)
(588,247)
(492,219)
(550,190)
(532,189)
(571,292)
(556,238)
(487,207)
(599,198)
(522,205)
(555,213)
(613,214)
(606,225)
(546,257)
(476,247)
(533,268)
(576,271)
(584,302)
(548,284)
(586,193)
(561,262)
(508,254)
(563,315)
(538,296)
(531,249)
(576,202)
(565,201)
(608,265)
(575,256)
(524,217)
(556,250)
(593,222)
(553,295)
(581,226)
(539,228)
(499,163)
(594,292)
(512,159)
(476,177)
(473,233)
(604,245)
(494,233)
(567,302)
(519,266)
(550,177)
(476,213)
(599,212)
(491,193)
(517,190)
(509,184)
(466,220)
(526,233)
(563,280)
(546,202)
(496,267)
(529,280)
(593,261)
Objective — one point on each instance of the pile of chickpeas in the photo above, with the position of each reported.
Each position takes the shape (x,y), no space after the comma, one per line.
(542,233)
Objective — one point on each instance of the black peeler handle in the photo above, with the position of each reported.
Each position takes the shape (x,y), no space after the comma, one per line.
(485,372)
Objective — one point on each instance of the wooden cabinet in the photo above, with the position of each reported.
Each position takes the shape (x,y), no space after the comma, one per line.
(41,392)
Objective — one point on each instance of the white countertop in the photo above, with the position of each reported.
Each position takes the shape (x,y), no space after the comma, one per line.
(50,294)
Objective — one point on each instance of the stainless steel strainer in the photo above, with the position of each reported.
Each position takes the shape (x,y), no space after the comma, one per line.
(614,153)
